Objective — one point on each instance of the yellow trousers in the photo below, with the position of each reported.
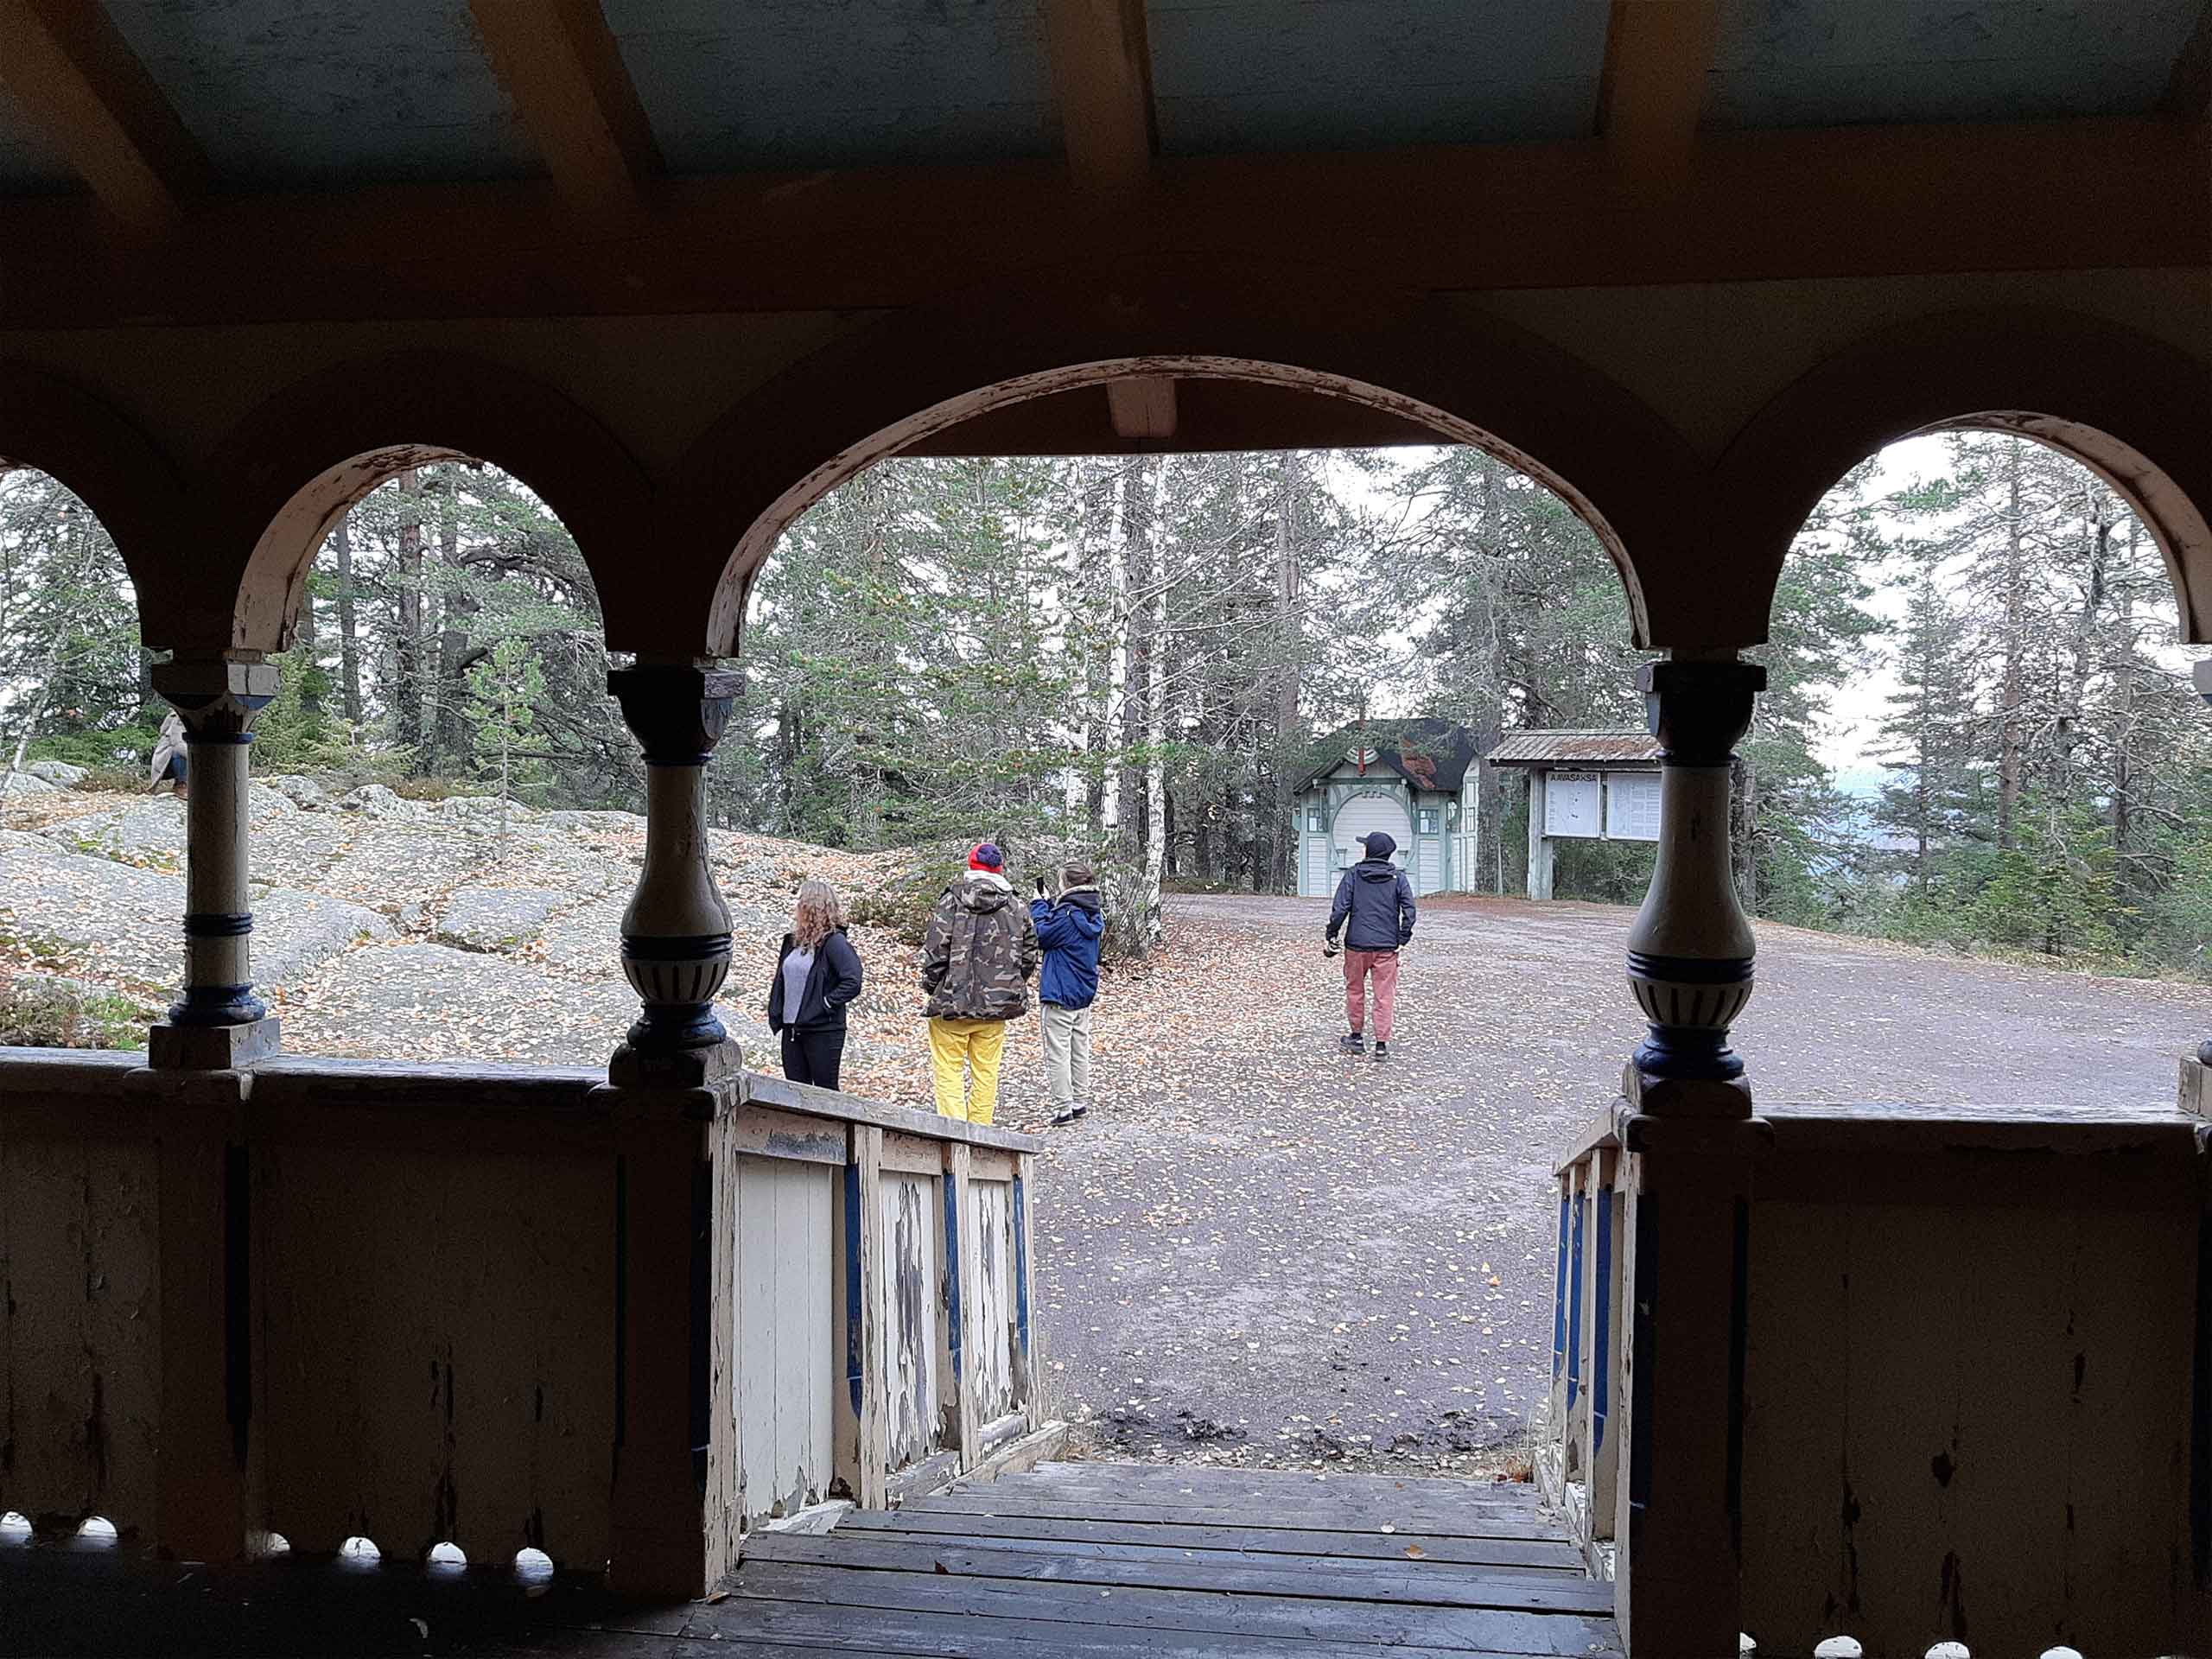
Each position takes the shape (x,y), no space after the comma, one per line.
(975,1045)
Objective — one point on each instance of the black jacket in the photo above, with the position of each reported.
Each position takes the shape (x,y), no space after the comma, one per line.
(1374,906)
(833,981)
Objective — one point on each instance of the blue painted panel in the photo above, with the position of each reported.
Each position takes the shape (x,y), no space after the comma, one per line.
(1796,63)
(1233,75)
(1601,1356)
(952,1273)
(855,1321)
(1559,1295)
(307,92)
(1021,1267)
(838,83)
(29,165)
(1574,1306)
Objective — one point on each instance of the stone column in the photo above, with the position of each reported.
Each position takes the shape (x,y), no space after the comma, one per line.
(676,934)
(219,1023)
(1690,952)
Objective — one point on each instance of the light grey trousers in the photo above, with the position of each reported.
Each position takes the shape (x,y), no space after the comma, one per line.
(1067,1054)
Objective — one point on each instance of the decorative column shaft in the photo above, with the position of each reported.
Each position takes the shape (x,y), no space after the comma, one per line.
(218,1023)
(1690,952)
(676,939)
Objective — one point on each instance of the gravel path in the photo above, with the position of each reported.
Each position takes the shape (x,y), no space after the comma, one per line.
(1256,1249)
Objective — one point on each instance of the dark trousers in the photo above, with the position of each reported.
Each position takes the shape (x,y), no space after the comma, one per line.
(813,1056)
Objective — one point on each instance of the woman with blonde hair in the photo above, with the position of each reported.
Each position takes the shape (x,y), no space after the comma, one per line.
(817,974)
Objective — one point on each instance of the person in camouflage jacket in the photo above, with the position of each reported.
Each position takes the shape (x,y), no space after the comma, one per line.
(977,958)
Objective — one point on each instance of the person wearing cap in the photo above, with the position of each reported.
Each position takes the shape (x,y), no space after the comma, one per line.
(1374,911)
(977,957)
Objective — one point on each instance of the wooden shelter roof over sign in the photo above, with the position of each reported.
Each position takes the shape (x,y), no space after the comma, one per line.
(1589,747)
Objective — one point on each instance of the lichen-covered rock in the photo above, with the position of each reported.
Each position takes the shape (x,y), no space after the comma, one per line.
(376,801)
(27,783)
(294,932)
(481,812)
(60,773)
(497,918)
(301,792)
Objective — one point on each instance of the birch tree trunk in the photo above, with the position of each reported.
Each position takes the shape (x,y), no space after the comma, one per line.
(1109,722)
(1281,842)
(2013,694)
(407,712)
(1156,708)
(349,634)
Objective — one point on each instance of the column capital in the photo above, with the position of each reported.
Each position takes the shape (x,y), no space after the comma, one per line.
(1698,710)
(676,713)
(216,696)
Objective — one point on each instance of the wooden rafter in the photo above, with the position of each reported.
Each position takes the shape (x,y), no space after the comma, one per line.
(1101,75)
(1658,54)
(559,62)
(77,79)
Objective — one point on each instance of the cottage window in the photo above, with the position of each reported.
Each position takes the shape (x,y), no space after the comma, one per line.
(1428,821)
(1314,818)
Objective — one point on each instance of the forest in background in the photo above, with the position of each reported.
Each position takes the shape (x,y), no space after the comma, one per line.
(1144,656)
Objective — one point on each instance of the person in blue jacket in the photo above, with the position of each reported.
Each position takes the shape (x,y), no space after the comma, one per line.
(1068,930)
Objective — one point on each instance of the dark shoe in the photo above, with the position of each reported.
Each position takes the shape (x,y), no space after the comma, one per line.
(1381,1051)
(1061,1120)
(1353,1042)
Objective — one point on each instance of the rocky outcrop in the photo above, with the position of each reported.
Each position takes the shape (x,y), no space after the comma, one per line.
(377,801)
(60,773)
(497,918)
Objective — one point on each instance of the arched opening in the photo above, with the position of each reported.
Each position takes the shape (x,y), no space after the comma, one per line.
(15,1527)
(97,1532)
(447,1557)
(78,722)
(359,1551)
(1978,648)
(944,647)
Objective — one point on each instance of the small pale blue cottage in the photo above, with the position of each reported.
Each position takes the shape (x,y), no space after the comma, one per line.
(1415,778)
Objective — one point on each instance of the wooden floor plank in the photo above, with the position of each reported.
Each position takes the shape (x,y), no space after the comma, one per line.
(1406,1582)
(819,1627)
(1437,1521)
(1554,1551)
(922,1545)
(1271,1500)
(1147,1478)
(1158,1612)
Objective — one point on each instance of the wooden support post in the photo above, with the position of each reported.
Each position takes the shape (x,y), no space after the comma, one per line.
(657,1538)
(861,1444)
(1601,1453)
(676,942)
(203,1301)
(963,1260)
(723,1510)
(219,1023)
(1690,952)
(1025,1363)
(1678,1521)
(1540,845)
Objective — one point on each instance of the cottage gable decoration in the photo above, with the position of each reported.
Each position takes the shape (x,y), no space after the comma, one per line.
(1413,780)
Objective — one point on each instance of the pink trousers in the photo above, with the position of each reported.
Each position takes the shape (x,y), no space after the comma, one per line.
(1384,964)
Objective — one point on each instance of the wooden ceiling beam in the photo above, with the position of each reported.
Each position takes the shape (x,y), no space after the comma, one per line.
(77,79)
(1860,201)
(1651,92)
(560,63)
(1102,76)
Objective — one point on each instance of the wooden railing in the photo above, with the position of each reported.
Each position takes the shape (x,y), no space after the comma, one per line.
(1952,1389)
(492,1308)
(1577,1461)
